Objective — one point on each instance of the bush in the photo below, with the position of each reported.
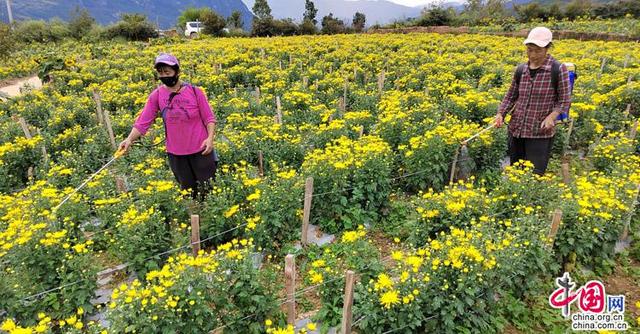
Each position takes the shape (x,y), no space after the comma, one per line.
(436,16)
(307,28)
(213,23)
(133,27)
(40,31)
(332,25)
(356,175)
(81,23)
(263,27)
(7,40)
(285,27)
(199,294)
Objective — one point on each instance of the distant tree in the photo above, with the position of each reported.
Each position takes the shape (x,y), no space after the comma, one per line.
(263,24)
(235,20)
(213,23)
(262,10)
(359,20)
(191,14)
(307,28)
(577,8)
(134,27)
(310,12)
(263,27)
(332,25)
(494,10)
(7,41)
(529,12)
(472,11)
(435,16)
(285,27)
(80,23)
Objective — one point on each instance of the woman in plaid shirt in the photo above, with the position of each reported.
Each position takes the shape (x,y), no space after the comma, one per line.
(535,103)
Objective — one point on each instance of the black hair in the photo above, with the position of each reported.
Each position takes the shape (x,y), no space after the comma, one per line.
(174,67)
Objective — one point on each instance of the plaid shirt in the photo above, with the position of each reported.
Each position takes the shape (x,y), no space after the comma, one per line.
(534,100)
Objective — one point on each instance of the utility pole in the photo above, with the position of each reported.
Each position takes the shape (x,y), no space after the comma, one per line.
(10,13)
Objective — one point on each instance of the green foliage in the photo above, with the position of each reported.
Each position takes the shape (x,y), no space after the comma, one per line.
(262,10)
(436,16)
(359,20)
(134,27)
(332,25)
(7,40)
(40,31)
(310,12)
(213,22)
(235,20)
(80,23)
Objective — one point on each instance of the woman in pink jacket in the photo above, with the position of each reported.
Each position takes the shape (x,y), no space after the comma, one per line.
(189,127)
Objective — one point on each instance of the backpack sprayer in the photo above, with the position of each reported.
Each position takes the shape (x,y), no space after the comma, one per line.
(462,153)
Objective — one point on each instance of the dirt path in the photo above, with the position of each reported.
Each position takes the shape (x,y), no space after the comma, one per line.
(13,87)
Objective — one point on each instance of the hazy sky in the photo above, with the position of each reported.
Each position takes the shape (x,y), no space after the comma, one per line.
(412,3)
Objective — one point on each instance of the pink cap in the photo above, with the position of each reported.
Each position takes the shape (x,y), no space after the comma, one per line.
(165,58)
(539,36)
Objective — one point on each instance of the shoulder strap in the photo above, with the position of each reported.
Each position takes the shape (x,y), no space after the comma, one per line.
(195,93)
(519,72)
(555,75)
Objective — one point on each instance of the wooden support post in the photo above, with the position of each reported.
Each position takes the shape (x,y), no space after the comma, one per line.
(260,164)
(195,234)
(555,225)
(381,78)
(344,94)
(120,185)
(30,173)
(235,91)
(257,93)
(290,59)
(347,314)
(262,54)
(290,283)
(341,104)
(305,82)
(25,127)
(280,65)
(308,194)
(604,63)
(107,122)
(634,130)
(566,175)
(453,166)
(45,156)
(315,85)
(627,111)
(625,232)
(361,131)
(355,74)
(96,98)
(626,61)
(278,110)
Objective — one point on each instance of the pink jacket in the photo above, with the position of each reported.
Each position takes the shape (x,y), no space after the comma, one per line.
(185,119)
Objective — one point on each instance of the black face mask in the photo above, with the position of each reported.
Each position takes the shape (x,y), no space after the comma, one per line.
(170,81)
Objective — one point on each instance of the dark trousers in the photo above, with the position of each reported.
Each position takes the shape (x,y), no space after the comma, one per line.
(194,172)
(536,150)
